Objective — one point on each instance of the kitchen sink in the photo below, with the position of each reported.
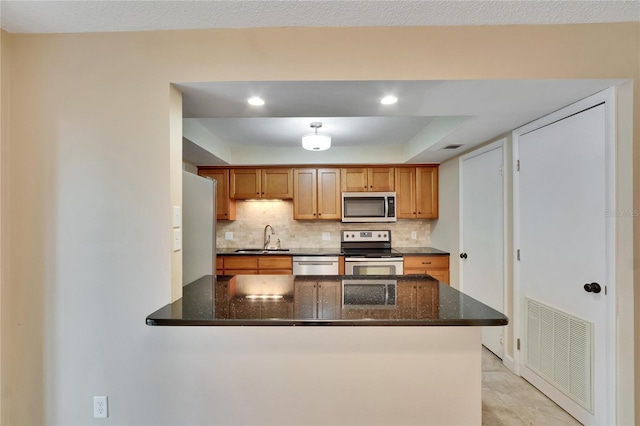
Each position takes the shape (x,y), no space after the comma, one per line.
(261,251)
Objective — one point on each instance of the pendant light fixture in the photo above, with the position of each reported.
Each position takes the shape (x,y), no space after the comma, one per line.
(316,141)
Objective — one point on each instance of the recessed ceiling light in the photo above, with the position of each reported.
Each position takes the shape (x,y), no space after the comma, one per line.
(388,100)
(256,101)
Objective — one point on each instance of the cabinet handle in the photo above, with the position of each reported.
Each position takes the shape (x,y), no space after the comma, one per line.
(257,193)
(419,212)
(414,212)
(319,214)
(263,193)
(370,186)
(426,263)
(314,214)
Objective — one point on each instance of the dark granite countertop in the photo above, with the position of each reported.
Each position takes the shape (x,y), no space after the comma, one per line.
(328,252)
(338,300)
(421,251)
(288,252)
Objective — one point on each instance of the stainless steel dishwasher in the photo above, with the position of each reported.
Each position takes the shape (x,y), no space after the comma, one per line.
(315,265)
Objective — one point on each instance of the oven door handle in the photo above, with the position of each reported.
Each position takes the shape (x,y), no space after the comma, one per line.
(394,259)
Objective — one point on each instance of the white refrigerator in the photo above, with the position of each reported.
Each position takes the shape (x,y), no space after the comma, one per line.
(198,227)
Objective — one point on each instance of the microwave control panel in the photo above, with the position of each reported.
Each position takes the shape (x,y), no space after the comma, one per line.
(366,236)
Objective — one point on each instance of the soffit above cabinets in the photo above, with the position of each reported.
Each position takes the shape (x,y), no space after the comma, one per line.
(428,116)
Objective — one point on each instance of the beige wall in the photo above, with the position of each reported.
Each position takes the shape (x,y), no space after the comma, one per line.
(86,196)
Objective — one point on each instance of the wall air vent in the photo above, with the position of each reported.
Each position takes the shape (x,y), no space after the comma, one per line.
(452,147)
(559,348)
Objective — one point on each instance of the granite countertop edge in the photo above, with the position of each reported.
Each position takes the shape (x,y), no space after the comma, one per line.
(408,251)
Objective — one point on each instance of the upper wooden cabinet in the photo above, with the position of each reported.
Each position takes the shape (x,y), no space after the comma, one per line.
(316,194)
(261,183)
(417,192)
(225,207)
(368,179)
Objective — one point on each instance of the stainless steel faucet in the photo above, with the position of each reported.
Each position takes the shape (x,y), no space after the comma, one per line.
(267,237)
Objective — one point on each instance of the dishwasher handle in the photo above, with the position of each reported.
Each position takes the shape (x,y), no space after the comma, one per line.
(328,262)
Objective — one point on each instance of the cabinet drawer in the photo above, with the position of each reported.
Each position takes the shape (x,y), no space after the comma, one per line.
(275,272)
(426,262)
(273,262)
(241,262)
(241,272)
(219,262)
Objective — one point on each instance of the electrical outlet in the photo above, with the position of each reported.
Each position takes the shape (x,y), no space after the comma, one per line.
(228,235)
(414,235)
(326,236)
(100,407)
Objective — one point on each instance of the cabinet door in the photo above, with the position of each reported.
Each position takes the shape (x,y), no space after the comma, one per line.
(222,300)
(244,309)
(225,207)
(381,179)
(406,192)
(329,196)
(275,309)
(277,183)
(354,180)
(304,194)
(427,297)
(329,300)
(244,183)
(305,302)
(427,192)
(439,274)
(406,299)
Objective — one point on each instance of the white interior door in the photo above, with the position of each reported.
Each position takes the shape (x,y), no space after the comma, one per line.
(482,235)
(561,197)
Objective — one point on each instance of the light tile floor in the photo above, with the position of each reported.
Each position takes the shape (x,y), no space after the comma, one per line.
(510,400)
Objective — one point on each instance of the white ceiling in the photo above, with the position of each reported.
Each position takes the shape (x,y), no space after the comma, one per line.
(429,115)
(53,16)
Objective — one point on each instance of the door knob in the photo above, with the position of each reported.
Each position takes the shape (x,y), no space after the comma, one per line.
(463,255)
(592,288)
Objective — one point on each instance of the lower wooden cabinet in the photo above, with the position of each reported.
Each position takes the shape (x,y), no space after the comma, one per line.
(250,265)
(241,308)
(418,300)
(435,265)
(317,299)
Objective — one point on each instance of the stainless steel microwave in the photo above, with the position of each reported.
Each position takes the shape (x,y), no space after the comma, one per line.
(368,206)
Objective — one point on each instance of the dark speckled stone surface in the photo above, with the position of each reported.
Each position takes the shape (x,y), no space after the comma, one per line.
(421,251)
(411,300)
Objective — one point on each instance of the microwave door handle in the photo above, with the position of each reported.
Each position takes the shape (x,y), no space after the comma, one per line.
(386,206)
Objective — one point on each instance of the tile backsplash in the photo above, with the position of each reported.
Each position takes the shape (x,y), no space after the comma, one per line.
(253,216)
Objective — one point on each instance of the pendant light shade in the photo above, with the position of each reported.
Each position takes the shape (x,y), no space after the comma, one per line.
(316,141)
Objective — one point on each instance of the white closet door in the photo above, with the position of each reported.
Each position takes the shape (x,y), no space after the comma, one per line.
(482,236)
(561,196)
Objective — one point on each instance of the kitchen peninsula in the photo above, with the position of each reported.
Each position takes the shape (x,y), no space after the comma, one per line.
(339,349)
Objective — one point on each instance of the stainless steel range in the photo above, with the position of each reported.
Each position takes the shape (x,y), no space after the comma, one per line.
(370,253)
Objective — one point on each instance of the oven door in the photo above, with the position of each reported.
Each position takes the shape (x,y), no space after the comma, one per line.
(373,266)
(367,293)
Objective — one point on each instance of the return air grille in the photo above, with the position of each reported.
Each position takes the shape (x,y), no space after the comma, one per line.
(559,349)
